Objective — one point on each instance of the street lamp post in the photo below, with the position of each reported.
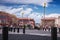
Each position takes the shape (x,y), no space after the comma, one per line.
(23,24)
(44,15)
(44,9)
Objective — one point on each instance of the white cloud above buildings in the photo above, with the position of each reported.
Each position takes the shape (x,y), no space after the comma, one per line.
(36,16)
(36,2)
(53,15)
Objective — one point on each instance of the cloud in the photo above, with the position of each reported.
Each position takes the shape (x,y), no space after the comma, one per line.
(36,16)
(36,2)
(10,9)
(53,15)
(4,7)
(36,7)
(26,12)
(17,11)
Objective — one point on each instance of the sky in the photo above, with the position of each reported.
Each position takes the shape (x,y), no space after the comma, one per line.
(31,8)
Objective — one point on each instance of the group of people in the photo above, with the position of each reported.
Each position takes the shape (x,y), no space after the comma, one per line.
(46,28)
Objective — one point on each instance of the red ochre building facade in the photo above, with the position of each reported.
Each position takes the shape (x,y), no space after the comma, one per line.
(51,22)
(26,21)
(48,22)
(4,18)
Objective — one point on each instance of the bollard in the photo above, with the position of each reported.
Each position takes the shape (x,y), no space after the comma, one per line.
(18,30)
(24,30)
(53,33)
(5,33)
(11,29)
(59,29)
(49,29)
(14,29)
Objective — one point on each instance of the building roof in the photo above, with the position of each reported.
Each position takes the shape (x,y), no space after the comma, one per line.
(7,14)
(25,19)
(49,18)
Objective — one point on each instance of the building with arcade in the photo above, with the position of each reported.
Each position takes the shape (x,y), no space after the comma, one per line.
(51,22)
(7,19)
(30,23)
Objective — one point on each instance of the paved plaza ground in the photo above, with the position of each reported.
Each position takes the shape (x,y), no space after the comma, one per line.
(27,37)
(32,32)
(30,35)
